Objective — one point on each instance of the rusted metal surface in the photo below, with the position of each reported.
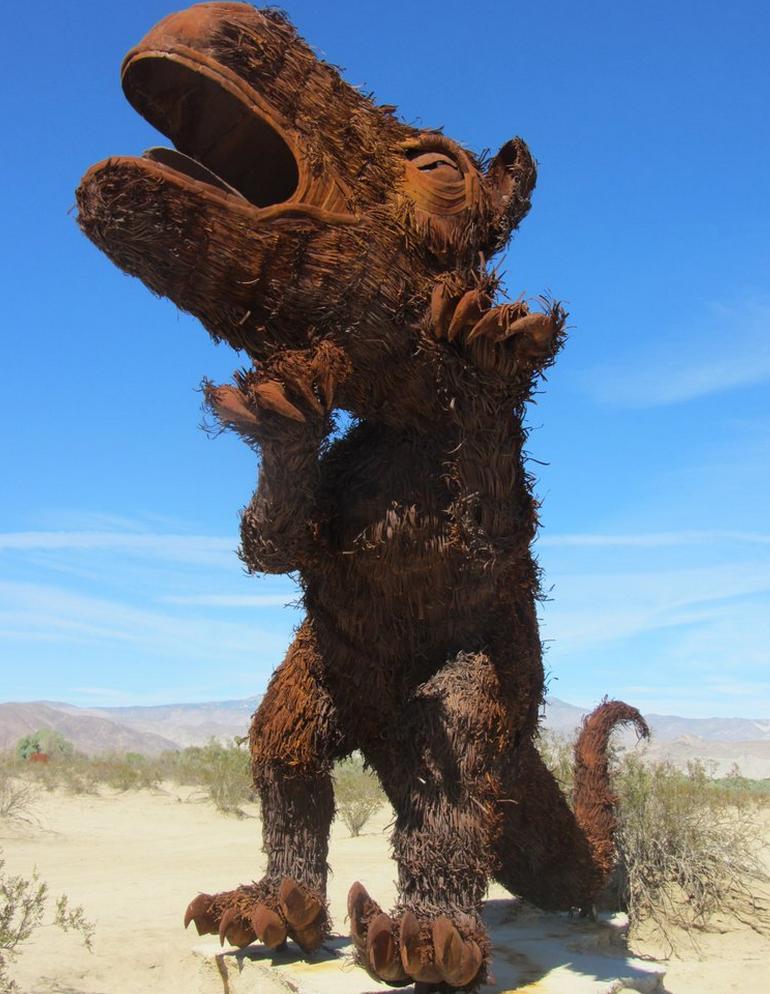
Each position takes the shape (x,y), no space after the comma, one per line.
(344,253)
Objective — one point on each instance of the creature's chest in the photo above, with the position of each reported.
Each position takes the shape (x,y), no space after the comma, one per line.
(386,499)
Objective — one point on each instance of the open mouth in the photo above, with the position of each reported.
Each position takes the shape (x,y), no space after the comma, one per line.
(219,138)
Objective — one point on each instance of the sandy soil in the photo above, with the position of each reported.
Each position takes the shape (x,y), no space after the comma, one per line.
(134,860)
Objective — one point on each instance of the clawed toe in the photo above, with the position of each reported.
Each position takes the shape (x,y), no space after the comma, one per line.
(383,952)
(304,913)
(269,927)
(198,911)
(416,954)
(458,959)
(429,953)
(234,928)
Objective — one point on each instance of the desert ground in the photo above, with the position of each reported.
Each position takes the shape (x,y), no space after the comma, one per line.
(134,860)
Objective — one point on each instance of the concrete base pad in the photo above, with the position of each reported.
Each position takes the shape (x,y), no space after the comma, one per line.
(534,953)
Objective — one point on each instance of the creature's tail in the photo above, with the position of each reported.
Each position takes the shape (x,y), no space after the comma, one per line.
(594,801)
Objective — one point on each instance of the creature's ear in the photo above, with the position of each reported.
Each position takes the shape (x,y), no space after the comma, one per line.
(510,179)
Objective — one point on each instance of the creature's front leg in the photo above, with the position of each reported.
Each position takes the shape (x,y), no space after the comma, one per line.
(440,774)
(294,740)
(284,409)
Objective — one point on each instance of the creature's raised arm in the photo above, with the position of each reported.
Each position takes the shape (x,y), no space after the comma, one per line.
(285,412)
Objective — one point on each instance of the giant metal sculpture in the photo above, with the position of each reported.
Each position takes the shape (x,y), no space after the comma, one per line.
(344,254)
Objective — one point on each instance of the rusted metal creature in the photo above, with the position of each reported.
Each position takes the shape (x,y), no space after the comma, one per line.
(344,253)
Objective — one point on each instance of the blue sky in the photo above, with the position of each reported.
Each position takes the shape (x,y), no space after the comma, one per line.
(118,517)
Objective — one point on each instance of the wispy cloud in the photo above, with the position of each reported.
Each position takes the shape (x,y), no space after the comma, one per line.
(233,600)
(199,549)
(653,540)
(36,612)
(100,692)
(725,347)
(593,609)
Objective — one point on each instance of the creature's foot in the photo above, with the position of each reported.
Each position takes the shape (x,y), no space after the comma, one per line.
(437,953)
(270,911)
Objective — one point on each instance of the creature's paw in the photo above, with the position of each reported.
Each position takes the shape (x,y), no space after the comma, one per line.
(298,386)
(471,319)
(268,911)
(428,950)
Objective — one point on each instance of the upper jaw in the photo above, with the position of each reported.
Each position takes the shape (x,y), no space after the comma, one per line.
(231,140)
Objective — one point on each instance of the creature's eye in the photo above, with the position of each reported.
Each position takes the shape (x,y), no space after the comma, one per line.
(435,178)
(436,162)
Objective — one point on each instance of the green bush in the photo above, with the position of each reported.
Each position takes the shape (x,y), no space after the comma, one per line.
(23,906)
(44,740)
(357,793)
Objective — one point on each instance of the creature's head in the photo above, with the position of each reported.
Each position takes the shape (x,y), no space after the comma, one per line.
(293,208)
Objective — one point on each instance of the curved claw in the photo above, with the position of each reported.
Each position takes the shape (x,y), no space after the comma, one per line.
(269,927)
(234,930)
(361,907)
(415,956)
(271,395)
(468,312)
(198,911)
(305,390)
(299,908)
(458,959)
(382,949)
(539,329)
(442,304)
(231,408)
(224,923)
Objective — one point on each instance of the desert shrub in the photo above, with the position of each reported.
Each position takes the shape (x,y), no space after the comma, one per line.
(223,772)
(357,793)
(44,740)
(17,794)
(71,772)
(123,771)
(24,902)
(688,844)
(689,849)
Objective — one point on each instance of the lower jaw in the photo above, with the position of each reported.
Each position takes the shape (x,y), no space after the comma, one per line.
(241,275)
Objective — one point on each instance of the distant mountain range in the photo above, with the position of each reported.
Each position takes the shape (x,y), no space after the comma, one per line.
(151,730)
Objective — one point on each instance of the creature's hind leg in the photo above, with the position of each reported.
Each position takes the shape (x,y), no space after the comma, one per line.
(294,739)
(439,770)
